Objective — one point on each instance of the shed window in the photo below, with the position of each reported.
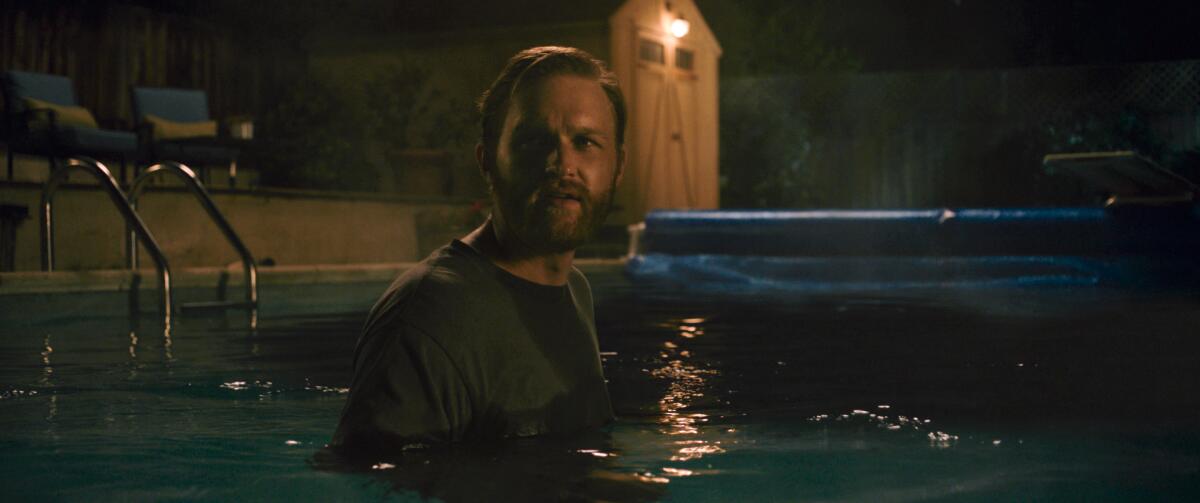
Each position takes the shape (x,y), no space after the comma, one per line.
(683,58)
(651,51)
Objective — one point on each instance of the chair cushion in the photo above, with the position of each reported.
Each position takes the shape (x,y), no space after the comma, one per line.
(170,130)
(180,105)
(64,115)
(97,140)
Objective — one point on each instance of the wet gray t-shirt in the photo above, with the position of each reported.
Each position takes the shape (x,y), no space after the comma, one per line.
(458,348)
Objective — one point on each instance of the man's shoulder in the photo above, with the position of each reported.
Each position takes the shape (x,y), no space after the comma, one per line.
(449,270)
(446,283)
(576,279)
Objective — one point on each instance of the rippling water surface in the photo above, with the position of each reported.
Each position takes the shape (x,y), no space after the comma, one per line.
(985,394)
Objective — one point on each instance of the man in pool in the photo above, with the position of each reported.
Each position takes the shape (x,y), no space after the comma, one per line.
(493,335)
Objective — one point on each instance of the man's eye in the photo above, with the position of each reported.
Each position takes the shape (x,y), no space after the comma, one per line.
(585,142)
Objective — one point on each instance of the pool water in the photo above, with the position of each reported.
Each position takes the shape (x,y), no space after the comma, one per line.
(1000,394)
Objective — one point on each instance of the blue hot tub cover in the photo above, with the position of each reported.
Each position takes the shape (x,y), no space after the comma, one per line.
(871,248)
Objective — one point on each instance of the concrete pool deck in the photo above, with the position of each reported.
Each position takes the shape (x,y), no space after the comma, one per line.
(230,278)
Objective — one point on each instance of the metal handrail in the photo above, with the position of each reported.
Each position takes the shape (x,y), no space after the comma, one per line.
(189,179)
(132,220)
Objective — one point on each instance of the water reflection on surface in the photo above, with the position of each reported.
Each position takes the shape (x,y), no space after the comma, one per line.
(46,381)
(686,382)
(133,342)
(47,370)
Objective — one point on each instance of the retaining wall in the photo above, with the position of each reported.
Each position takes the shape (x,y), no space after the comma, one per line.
(289,228)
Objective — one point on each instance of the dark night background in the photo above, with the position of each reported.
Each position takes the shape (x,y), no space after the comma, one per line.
(858,103)
(882,35)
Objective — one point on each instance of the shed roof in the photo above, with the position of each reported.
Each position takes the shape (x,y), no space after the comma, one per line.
(649,15)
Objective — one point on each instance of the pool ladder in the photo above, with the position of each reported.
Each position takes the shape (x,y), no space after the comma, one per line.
(137,230)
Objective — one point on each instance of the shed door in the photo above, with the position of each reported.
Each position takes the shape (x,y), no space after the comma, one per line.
(664,122)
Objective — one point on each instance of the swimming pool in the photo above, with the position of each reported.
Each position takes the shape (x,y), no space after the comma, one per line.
(1006,393)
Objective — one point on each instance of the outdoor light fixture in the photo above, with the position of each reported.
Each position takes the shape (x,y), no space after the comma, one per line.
(679,27)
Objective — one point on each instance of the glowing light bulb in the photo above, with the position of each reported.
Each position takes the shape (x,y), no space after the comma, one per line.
(679,27)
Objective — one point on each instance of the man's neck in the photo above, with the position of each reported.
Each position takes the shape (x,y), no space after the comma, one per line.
(546,269)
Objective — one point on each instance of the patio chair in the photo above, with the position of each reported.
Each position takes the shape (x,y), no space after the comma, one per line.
(174,125)
(43,118)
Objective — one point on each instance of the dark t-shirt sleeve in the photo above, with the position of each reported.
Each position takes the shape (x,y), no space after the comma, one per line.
(406,391)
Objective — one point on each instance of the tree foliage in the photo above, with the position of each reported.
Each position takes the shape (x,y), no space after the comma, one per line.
(765,126)
(342,134)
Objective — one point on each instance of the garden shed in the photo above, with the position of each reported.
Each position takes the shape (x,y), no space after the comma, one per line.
(666,58)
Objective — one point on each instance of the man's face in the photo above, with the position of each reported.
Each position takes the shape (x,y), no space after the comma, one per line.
(557,162)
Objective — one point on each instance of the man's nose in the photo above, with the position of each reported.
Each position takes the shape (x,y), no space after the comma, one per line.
(563,161)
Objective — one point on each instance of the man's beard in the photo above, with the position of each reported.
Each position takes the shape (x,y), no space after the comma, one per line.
(531,217)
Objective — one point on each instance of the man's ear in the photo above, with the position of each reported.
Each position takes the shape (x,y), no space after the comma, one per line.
(485,165)
(620,166)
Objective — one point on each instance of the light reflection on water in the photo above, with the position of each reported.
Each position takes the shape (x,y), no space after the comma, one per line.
(47,370)
(133,341)
(686,382)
